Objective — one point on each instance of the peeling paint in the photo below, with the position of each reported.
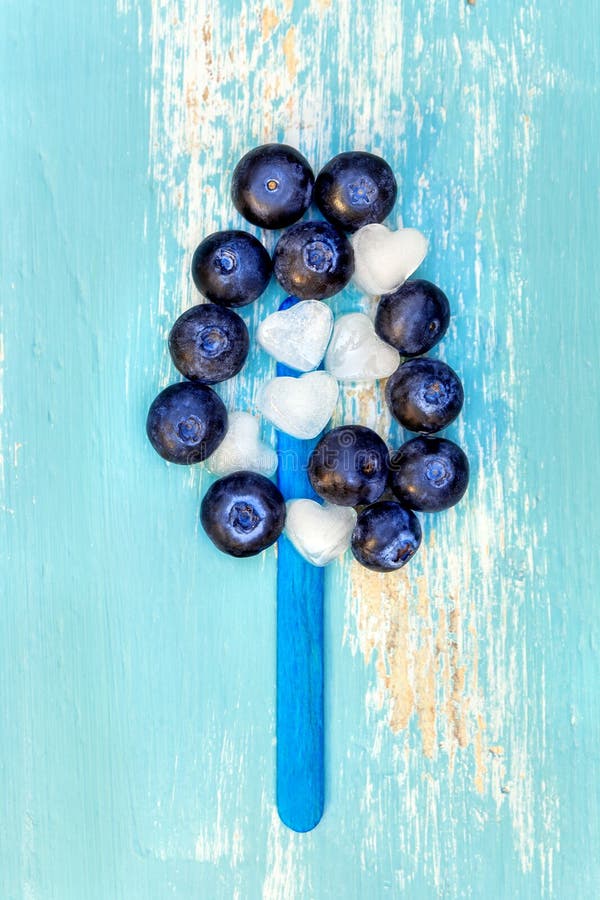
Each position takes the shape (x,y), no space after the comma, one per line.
(137,665)
(289,52)
(436,635)
(270,21)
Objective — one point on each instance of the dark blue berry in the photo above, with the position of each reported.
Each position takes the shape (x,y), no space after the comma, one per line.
(313,260)
(354,189)
(429,474)
(243,513)
(424,395)
(414,318)
(272,186)
(209,343)
(186,422)
(349,466)
(231,268)
(386,536)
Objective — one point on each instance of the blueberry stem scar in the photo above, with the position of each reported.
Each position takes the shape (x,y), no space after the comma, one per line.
(300,591)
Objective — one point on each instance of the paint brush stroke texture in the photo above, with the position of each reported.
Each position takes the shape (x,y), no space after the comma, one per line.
(462,736)
(464,596)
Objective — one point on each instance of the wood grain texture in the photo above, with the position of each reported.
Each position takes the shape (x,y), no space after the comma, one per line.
(137,665)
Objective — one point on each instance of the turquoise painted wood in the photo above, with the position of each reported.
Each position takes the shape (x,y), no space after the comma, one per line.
(300,777)
(137,664)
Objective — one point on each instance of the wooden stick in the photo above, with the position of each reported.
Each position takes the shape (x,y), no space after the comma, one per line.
(300,590)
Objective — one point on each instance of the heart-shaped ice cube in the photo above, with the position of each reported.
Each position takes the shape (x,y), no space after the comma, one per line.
(355,352)
(300,406)
(242,448)
(384,259)
(320,532)
(298,336)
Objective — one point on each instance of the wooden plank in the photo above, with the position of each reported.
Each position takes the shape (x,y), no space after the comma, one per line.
(137,668)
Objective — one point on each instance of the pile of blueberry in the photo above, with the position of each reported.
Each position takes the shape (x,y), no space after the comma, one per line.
(244,512)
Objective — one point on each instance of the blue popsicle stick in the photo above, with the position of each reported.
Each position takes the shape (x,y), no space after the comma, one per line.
(300,588)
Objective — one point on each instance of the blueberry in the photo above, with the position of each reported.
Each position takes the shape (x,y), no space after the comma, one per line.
(349,466)
(209,343)
(313,260)
(414,318)
(186,422)
(386,536)
(429,474)
(243,513)
(354,189)
(272,186)
(231,268)
(424,395)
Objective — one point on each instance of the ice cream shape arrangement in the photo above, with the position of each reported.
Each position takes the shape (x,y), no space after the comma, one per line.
(320,492)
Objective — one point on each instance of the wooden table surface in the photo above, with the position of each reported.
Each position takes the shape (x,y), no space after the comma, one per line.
(137,664)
